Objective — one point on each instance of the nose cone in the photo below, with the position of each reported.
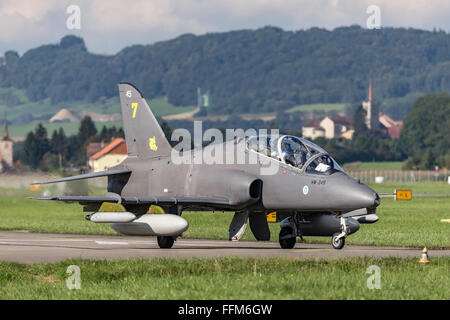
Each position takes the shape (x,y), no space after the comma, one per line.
(365,196)
(352,194)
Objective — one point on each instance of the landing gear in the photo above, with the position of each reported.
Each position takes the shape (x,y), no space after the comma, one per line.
(338,239)
(165,242)
(287,241)
(337,242)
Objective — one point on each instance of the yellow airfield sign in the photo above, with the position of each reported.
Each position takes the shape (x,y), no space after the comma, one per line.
(34,187)
(403,194)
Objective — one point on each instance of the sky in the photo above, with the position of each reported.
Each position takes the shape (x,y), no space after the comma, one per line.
(107,26)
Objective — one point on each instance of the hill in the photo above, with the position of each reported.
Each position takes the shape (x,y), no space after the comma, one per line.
(248,71)
(24,111)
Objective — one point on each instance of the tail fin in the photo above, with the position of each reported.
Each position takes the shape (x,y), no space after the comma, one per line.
(145,138)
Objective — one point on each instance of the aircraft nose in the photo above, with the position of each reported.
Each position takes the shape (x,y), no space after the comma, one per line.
(357,194)
(377,201)
(367,197)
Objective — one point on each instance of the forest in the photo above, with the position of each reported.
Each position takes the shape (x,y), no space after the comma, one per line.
(423,142)
(247,71)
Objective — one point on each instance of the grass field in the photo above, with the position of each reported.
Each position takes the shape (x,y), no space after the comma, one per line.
(381,165)
(324,107)
(402,223)
(239,278)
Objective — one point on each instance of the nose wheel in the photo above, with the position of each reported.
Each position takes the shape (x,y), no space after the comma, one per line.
(338,239)
(337,242)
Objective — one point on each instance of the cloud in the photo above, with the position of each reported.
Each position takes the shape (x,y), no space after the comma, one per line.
(109,25)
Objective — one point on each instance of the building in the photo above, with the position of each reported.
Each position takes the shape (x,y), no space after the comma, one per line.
(372,109)
(329,127)
(393,127)
(313,130)
(6,149)
(109,156)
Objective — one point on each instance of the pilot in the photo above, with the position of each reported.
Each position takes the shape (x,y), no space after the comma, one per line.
(289,157)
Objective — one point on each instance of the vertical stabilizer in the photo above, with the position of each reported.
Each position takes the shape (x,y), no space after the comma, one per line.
(144,136)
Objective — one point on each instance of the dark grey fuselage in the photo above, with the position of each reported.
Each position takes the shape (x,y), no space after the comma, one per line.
(288,189)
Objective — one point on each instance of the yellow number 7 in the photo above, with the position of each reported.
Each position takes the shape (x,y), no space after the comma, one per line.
(134,106)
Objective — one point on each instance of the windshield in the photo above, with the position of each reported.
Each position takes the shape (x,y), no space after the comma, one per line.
(294,151)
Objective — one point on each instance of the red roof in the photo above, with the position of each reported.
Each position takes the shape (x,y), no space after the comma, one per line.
(344,120)
(117,146)
(394,132)
(312,123)
(92,148)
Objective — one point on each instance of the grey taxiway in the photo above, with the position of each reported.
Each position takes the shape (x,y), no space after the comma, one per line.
(27,248)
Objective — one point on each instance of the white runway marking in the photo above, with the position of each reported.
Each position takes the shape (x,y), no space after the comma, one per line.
(111,242)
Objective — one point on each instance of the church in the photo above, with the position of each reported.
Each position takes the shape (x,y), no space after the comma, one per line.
(6,149)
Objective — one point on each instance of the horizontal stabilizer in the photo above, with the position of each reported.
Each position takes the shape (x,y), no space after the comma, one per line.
(85,176)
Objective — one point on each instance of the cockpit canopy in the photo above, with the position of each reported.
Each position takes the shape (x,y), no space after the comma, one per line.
(294,151)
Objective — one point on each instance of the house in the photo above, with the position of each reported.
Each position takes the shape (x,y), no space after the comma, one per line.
(329,127)
(313,130)
(110,155)
(393,127)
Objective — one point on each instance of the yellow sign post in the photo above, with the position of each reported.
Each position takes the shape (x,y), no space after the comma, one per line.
(403,194)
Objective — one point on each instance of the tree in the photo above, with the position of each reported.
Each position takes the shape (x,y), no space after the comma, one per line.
(36,145)
(30,151)
(87,130)
(426,130)
(59,145)
(359,122)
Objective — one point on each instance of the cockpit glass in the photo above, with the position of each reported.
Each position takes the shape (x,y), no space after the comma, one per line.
(294,151)
(321,164)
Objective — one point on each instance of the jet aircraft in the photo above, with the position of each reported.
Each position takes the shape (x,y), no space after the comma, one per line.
(310,193)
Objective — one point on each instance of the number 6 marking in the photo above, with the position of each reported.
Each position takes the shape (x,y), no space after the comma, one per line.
(134,106)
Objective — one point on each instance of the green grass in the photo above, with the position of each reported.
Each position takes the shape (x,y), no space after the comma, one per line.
(380,165)
(420,187)
(325,107)
(413,223)
(239,278)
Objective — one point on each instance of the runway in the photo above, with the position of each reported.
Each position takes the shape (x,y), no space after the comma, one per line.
(27,248)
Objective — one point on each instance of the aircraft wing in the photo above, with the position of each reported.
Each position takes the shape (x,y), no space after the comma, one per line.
(85,176)
(85,200)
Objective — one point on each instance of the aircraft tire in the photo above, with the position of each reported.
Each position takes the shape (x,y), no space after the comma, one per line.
(337,244)
(165,242)
(287,243)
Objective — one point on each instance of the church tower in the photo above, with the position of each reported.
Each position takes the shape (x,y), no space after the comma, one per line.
(371,108)
(6,148)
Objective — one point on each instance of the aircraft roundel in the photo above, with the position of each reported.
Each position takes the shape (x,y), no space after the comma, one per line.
(305,190)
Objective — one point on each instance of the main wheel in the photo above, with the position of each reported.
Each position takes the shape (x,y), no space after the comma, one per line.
(286,243)
(165,242)
(337,244)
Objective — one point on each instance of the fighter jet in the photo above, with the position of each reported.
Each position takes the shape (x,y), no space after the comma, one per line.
(310,193)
